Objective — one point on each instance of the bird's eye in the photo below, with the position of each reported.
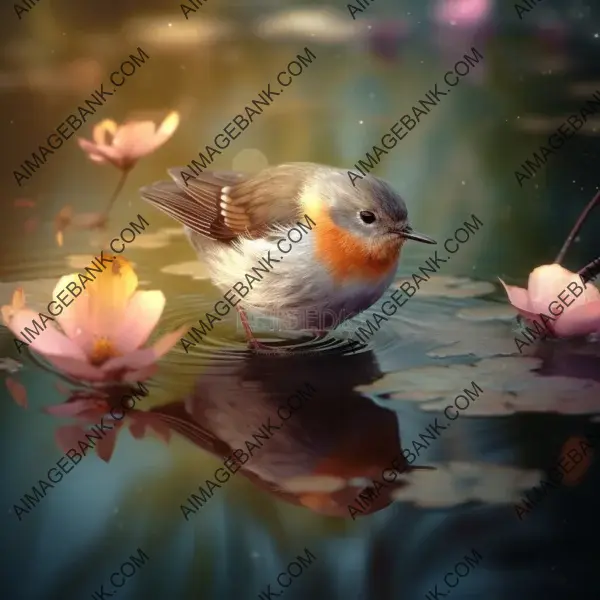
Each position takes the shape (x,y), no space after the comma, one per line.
(366,216)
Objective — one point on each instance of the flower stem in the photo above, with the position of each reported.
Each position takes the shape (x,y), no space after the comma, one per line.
(117,191)
(586,211)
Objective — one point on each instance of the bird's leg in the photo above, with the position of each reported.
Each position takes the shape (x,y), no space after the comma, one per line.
(252,341)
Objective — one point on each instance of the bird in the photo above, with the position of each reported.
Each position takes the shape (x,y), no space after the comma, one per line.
(351,238)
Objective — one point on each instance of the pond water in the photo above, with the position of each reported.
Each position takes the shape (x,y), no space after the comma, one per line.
(367,475)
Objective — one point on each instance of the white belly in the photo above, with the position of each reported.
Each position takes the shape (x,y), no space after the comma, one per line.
(296,284)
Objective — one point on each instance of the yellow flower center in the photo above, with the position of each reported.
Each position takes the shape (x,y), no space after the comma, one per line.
(102,351)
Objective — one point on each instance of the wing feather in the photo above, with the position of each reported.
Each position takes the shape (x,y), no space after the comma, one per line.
(222,205)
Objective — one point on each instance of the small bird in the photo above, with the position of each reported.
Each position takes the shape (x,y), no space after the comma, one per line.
(342,266)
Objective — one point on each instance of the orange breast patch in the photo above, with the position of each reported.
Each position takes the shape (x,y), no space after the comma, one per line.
(346,255)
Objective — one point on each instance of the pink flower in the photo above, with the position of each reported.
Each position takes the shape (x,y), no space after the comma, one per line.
(462,12)
(103,329)
(545,285)
(124,145)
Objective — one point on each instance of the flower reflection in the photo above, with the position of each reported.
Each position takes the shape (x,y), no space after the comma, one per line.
(102,332)
(101,415)
(17,391)
(84,221)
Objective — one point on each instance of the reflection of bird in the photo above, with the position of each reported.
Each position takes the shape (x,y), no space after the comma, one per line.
(341,257)
(336,433)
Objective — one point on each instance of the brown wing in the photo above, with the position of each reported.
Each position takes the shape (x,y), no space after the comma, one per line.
(223,205)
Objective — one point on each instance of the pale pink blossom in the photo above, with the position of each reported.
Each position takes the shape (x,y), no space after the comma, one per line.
(462,12)
(546,283)
(123,145)
(102,331)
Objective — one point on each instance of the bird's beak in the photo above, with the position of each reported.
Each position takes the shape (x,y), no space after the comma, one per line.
(409,234)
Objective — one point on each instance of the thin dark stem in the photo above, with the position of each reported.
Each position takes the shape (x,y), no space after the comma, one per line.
(117,191)
(586,211)
(590,271)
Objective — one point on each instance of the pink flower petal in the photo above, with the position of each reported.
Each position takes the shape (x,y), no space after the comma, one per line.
(76,407)
(167,341)
(547,282)
(77,369)
(167,129)
(141,359)
(518,297)
(141,375)
(90,416)
(18,392)
(137,427)
(592,293)
(141,316)
(109,296)
(50,342)
(67,437)
(74,319)
(109,153)
(104,132)
(581,320)
(135,139)
(106,445)
(161,430)
(137,360)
